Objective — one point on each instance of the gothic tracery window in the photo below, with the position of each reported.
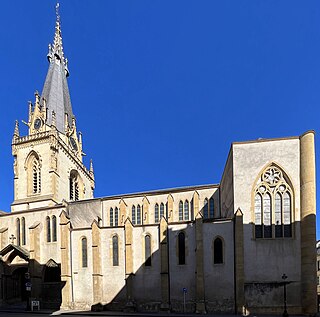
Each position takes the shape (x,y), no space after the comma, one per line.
(273,205)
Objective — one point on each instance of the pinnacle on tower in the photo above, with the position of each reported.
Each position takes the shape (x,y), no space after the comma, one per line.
(16,133)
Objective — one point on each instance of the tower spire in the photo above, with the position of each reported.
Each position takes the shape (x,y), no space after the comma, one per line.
(55,90)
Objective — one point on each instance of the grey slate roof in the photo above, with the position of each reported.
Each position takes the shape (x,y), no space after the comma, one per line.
(56,93)
(55,89)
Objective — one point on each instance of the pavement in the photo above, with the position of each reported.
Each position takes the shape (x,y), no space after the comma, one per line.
(21,310)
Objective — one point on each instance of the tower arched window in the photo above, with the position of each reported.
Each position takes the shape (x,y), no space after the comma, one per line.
(36,176)
(74,191)
(34,173)
(181,248)
(48,229)
(115,251)
(147,246)
(156,213)
(54,228)
(84,252)
(23,230)
(273,199)
(205,209)
(18,232)
(217,251)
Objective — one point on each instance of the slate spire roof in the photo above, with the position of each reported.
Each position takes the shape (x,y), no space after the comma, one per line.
(55,89)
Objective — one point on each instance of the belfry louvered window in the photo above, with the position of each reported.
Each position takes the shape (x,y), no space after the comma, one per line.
(74,186)
(36,177)
(273,199)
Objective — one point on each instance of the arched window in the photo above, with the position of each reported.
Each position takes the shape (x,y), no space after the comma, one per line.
(205,209)
(180,210)
(217,251)
(33,167)
(147,244)
(156,213)
(48,229)
(116,217)
(111,217)
(287,214)
(273,204)
(186,210)
(115,251)
(74,186)
(54,228)
(138,215)
(23,230)
(211,207)
(84,252)
(133,217)
(161,210)
(18,232)
(181,249)
(36,176)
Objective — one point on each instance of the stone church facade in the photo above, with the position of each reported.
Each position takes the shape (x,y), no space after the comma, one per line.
(211,248)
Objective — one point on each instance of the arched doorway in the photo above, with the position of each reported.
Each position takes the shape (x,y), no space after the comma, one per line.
(51,286)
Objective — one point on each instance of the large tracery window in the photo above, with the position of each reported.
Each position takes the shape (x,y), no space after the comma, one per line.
(273,205)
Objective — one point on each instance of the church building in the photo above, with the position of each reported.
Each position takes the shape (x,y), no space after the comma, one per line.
(230,247)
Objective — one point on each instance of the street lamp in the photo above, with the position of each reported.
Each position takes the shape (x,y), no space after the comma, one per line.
(285,313)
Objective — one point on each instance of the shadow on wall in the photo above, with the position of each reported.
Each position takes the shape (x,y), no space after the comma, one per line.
(45,280)
(157,286)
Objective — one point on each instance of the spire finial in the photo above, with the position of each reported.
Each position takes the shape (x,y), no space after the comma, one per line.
(57,11)
(56,49)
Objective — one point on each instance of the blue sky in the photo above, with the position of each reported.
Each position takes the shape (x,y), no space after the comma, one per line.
(161,88)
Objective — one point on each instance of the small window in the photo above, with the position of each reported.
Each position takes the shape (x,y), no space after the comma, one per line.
(211,207)
(217,251)
(116,217)
(161,210)
(147,250)
(111,217)
(23,230)
(115,251)
(181,248)
(84,252)
(133,215)
(54,228)
(180,210)
(186,210)
(156,213)
(48,227)
(138,215)
(205,209)
(18,232)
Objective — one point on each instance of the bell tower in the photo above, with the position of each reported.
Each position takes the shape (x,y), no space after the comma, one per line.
(48,162)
